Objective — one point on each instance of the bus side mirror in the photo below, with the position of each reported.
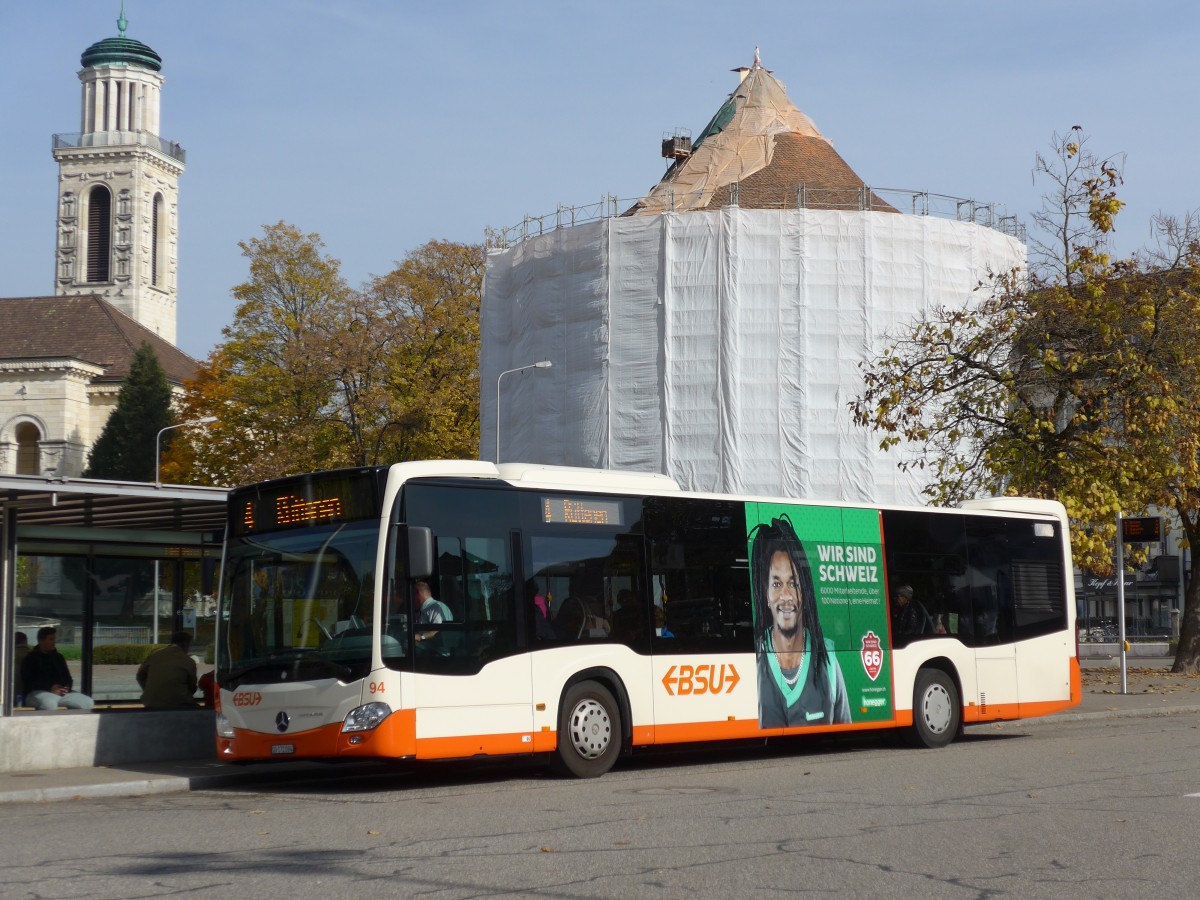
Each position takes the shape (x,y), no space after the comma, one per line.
(420,552)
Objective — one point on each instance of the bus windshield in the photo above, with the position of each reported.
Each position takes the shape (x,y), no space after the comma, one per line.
(298,604)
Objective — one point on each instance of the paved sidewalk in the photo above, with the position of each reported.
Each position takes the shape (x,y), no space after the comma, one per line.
(137,779)
(1151,690)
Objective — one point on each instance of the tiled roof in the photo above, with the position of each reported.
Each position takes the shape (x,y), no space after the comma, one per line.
(804,171)
(86,328)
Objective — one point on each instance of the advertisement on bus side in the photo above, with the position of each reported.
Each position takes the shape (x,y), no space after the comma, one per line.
(820,615)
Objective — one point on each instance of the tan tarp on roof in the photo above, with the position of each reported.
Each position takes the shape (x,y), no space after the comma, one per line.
(767,147)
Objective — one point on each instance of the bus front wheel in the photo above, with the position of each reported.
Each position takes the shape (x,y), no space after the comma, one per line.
(589,731)
(937,712)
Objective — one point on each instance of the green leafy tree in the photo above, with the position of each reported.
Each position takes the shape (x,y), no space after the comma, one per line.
(313,375)
(268,384)
(1078,382)
(429,377)
(125,449)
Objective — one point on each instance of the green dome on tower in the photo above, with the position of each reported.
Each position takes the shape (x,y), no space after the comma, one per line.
(121,51)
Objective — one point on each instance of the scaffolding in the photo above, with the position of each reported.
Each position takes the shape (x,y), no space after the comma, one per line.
(866,199)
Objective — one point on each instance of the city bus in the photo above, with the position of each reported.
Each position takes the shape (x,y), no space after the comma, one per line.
(448,610)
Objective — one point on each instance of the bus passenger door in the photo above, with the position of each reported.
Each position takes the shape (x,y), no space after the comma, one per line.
(996,673)
(471,684)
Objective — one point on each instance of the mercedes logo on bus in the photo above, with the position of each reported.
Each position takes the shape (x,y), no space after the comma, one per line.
(281,721)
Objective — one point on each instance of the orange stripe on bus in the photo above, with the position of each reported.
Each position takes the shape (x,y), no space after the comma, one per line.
(464,747)
(690,732)
(394,738)
(995,712)
(1010,712)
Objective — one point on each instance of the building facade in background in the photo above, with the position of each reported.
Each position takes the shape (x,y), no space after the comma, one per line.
(63,357)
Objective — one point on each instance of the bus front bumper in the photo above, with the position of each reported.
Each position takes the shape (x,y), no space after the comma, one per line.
(393,738)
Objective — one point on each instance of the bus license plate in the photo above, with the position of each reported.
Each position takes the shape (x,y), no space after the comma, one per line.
(282,749)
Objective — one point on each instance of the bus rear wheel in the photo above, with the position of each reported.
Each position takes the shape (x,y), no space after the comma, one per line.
(589,731)
(937,711)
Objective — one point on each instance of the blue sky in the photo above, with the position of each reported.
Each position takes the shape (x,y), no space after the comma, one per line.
(381,125)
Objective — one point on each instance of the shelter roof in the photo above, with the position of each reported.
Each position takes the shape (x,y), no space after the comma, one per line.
(85,328)
(96,503)
(772,152)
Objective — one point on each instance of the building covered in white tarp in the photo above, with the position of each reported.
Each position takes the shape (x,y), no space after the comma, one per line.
(714,331)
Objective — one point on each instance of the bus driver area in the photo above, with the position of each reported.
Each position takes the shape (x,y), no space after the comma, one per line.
(586,613)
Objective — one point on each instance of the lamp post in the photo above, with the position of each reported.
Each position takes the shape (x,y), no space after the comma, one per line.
(205,420)
(543,364)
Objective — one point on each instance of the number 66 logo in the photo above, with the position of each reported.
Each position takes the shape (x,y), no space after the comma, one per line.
(872,655)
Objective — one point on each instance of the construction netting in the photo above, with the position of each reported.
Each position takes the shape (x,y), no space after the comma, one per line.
(720,348)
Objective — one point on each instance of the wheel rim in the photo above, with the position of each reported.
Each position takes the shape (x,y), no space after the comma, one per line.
(591,729)
(935,708)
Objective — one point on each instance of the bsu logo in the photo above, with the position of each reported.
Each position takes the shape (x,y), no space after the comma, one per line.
(702,679)
(872,655)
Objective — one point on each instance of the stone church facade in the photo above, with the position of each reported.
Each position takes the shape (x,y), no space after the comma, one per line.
(63,357)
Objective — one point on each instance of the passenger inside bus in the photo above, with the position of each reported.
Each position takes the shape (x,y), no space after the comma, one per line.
(579,619)
(909,617)
(627,624)
(541,617)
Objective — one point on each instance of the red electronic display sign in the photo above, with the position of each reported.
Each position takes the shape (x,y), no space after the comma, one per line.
(1146,530)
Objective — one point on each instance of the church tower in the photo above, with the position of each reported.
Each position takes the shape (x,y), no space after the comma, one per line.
(118,188)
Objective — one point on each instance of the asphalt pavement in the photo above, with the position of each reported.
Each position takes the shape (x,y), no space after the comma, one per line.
(1150,689)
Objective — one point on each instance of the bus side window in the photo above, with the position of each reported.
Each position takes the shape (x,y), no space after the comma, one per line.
(927,553)
(699,575)
(591,585)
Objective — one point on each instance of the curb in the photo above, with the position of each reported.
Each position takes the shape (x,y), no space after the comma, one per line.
(1104,714)
(137,788)
(174,784)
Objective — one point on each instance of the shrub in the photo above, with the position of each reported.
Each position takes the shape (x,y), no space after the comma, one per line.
(123,654)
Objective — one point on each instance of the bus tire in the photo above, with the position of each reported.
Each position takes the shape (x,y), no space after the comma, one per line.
(589,731)
(937,711)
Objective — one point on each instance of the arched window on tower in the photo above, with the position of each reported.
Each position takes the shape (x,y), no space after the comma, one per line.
(27,435)
(99,234)
(158,241)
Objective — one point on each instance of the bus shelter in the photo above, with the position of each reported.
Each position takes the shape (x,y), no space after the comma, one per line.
(113,566)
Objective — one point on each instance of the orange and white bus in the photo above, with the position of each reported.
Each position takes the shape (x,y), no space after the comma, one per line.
(442,609)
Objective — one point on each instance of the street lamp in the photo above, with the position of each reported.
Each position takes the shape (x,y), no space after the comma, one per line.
(204,420)
(543,364)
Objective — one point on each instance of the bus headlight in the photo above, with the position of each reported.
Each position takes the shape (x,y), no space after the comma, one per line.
(366,717)
(224,728)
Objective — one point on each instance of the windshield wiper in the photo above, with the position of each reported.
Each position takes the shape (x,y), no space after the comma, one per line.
(283,661)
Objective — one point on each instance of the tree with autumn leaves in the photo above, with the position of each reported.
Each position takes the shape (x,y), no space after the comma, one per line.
(1078,380)
(314,375)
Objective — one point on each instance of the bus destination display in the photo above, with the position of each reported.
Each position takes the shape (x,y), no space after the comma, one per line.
(315,502)
(581,511)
